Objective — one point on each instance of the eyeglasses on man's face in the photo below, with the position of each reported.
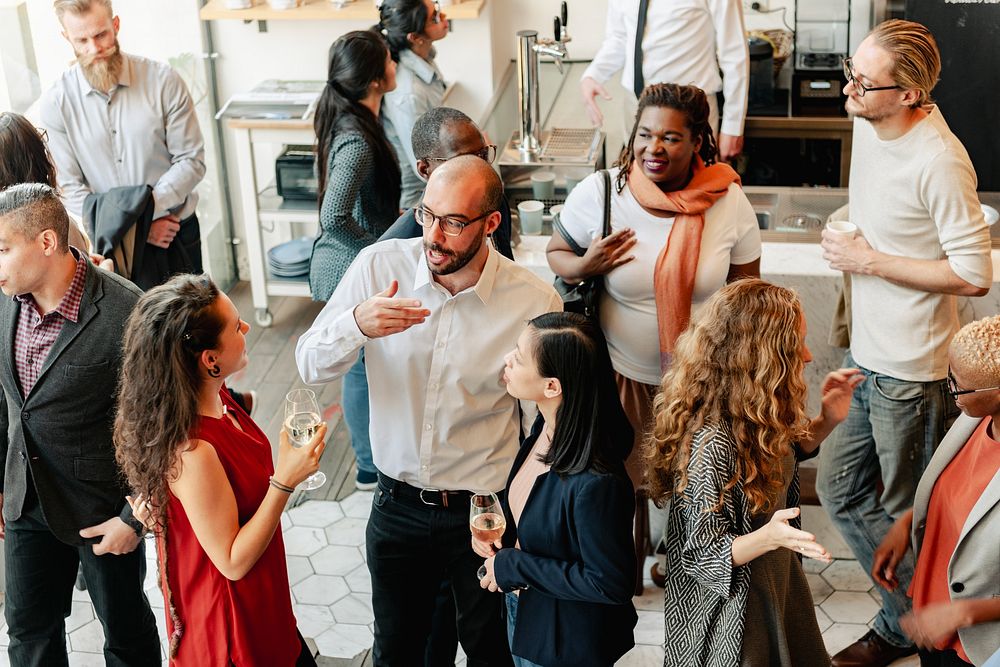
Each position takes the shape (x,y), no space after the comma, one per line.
(450,225)
(487,153)
(955,391)
(858,86)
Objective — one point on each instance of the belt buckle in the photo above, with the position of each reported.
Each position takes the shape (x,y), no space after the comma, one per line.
(442,495)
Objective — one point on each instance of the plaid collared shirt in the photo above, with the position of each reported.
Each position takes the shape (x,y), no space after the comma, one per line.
(36,334)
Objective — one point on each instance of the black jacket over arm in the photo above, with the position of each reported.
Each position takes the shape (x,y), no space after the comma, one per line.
(62,429)
(576,566)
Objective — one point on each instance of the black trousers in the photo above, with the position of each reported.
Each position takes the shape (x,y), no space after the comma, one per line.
(40,571)
(412,548)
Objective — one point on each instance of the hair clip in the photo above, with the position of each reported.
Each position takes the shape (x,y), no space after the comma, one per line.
(186,336)
(385,32)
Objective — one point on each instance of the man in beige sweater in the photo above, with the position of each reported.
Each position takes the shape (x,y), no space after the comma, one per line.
(922,241)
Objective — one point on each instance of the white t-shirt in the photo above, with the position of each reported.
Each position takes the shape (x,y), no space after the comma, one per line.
(914,196)
(628,308)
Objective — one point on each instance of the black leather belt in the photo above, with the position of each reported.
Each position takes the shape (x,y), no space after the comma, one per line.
(403,492)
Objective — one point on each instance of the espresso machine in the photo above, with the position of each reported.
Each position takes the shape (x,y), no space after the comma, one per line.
(822,28)
(570,153)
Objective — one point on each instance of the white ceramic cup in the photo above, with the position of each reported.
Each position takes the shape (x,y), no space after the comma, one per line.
(543,184)
(842,228)
(530,215)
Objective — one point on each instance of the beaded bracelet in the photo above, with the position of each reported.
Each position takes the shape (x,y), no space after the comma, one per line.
(278,485)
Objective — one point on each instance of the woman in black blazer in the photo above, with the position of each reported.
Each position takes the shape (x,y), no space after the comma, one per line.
(566,560)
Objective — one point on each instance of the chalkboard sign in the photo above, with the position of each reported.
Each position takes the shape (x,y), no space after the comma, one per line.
(968,35)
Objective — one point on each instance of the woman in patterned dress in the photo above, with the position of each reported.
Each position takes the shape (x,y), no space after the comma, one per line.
(730,428)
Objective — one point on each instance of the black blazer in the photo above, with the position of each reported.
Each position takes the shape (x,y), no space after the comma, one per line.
(62,429)
(576,566)
(406,227)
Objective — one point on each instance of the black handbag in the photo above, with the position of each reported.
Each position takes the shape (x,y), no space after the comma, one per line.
(584,297)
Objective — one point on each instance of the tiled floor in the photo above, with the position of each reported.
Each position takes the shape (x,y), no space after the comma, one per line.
(324,542)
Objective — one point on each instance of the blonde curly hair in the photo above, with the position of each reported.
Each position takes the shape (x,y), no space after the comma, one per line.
(740,362)
(976,350)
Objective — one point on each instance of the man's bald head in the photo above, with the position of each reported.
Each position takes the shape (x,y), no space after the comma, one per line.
(469,172)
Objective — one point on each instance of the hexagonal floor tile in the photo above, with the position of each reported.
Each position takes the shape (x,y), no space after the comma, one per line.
(299,568)
(81,614)
(642,655)
(649,629)
(845,607)
(344,641)
(817,522)
(348,532)
(818,587)
(313,619)
(357,505)
(650,600)
(841,635)
(360,580)
(822,619)
(316,513)
(847,575)
(355,608)
(88,638)
(320,589)
(336,560)
(302,541)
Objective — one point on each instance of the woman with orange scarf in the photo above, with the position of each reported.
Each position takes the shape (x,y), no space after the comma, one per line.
(681,228)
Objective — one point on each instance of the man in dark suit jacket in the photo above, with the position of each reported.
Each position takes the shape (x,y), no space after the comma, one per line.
(63,496)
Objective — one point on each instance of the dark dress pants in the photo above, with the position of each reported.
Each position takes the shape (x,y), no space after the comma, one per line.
(412,548)
(40,571)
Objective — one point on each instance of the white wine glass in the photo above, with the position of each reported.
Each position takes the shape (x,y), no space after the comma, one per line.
(302,418)
(486,520)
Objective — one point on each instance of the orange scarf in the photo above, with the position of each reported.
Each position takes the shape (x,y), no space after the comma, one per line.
(674,274)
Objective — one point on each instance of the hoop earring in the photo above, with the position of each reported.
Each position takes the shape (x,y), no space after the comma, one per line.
(215,371)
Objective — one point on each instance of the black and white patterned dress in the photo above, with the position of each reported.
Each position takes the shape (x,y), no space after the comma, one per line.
(707,598)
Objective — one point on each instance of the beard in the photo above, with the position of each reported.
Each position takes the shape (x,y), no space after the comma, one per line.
(102,70)
(458,260)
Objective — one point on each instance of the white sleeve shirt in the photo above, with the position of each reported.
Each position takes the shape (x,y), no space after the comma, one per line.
(686,42)
(144,132)
(441,416)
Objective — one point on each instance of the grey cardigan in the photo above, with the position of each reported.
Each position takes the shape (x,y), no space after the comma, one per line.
(354,212)
(974,569)
(706,595)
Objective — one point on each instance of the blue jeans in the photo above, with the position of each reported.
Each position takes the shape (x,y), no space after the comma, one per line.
(890,434)
(354,400)
(511,601)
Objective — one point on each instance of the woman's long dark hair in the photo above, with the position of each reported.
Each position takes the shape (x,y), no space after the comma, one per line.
(160,379)
(356,59)
(592,430)
(690,101)
(397,19)
(24,158)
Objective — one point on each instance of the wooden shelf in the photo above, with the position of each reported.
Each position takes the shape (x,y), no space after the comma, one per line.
(323,10)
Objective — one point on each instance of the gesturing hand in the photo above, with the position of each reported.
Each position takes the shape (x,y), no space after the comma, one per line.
(931,626)
(891,551)
(383,315)
(780,534)
(608,253)
(836,392)
(589,89)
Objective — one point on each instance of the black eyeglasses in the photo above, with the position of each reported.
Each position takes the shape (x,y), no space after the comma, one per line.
(451,226)
(860,87)
(955,391)
(488,153)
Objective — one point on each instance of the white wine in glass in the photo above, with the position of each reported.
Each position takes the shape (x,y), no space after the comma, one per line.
(486,520)
(302,418)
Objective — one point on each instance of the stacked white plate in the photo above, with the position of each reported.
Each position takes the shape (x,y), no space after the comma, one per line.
(290,259)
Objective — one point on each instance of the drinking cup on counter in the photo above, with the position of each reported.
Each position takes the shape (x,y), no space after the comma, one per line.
(530,215)
(842,228)
(543,184)
(239,4)
(571,182)
(554,211)
(991,214)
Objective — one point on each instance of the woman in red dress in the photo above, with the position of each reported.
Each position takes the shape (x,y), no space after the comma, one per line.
(203,474)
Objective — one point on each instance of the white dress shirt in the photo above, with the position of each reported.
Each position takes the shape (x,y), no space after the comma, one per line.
(144,132)
(441,417)
(686,42)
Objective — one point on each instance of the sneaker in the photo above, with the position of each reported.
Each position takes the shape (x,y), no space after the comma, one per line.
(366,481)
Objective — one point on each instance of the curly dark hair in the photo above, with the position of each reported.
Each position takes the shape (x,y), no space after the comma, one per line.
(159,384)
(690,101)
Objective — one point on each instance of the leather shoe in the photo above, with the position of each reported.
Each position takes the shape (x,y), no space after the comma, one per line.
(871,651)
(658,576)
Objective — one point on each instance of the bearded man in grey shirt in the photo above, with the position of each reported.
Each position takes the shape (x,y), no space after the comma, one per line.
(117,120)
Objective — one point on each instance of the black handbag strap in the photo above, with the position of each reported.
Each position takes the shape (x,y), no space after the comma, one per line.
(606,227)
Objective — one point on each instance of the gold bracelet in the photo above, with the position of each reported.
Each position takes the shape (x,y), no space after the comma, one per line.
(279,486)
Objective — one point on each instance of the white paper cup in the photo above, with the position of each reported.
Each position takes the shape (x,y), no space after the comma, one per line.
(990,213)
(571,182)
(842,228)
(239,4)
(530,215)
(554,211)
(543,184)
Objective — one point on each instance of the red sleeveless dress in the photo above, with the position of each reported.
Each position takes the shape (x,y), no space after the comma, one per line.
(212,621)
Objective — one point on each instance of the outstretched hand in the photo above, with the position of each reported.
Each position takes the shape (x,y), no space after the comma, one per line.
(384,315)
(781,534)
(836,392)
